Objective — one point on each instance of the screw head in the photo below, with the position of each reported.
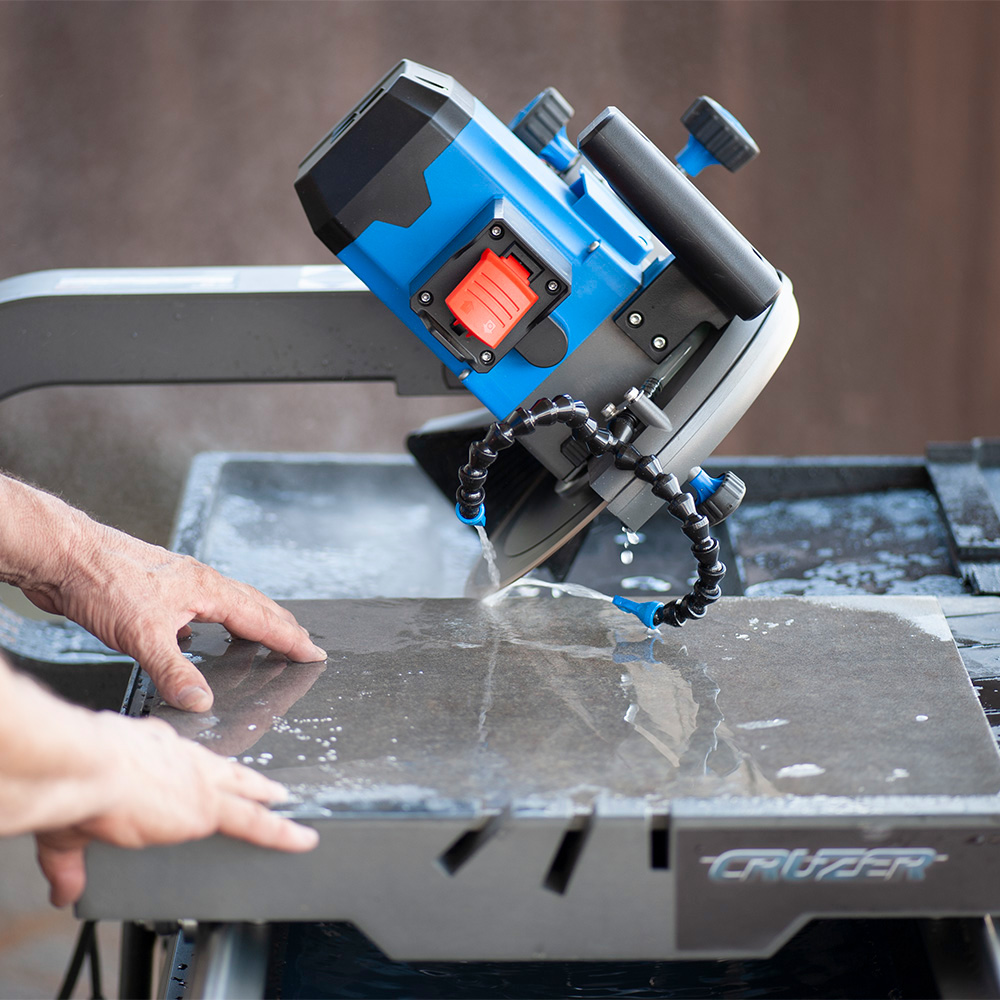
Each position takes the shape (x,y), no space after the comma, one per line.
(635,319)
(425,298)
(658,343)
(486,357)
(496,230)
(552,286)
(609,411)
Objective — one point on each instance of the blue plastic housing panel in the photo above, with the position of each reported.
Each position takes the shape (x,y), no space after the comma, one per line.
(484,163)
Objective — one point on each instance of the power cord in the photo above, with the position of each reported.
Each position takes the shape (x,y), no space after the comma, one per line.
(86,947)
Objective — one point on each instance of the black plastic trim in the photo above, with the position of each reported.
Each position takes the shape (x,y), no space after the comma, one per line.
(371,165)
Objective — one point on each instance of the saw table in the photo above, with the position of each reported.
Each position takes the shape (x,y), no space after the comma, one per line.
(546,780)
(562,787)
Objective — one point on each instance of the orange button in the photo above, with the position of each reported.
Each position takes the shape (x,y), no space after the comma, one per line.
(492,297)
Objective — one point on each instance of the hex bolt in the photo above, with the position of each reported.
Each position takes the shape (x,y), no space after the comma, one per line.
(609,411)
(486,357)
(496,230)
(658,343)
(635,319)
(425,298)
(552,286)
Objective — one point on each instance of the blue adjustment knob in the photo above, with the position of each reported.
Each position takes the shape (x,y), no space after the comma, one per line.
(716,137)
(717,498)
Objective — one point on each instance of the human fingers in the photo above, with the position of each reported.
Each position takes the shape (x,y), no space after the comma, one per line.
(253,616)
(60,856)
(250,821)
(238,779)
(176,678)
(258,595)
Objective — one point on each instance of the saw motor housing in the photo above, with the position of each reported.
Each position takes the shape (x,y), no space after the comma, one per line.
(532,267)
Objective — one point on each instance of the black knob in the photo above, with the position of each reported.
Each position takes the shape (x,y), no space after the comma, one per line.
(720,133)
(726,498)
(704,241)
(542,120)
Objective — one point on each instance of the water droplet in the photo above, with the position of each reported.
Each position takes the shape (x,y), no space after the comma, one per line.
(627,557)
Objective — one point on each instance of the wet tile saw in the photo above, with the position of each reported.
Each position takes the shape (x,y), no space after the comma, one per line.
(614,323)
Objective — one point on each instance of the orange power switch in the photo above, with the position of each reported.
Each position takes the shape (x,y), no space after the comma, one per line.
(492,297)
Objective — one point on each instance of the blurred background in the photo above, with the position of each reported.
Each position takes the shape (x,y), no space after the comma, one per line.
(141,134)
(136,134)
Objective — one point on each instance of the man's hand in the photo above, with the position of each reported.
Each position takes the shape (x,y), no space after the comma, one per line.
(162,789)
(72,776)
(135,597)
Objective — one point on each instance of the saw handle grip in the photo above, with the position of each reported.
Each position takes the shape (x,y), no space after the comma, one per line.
(706,244)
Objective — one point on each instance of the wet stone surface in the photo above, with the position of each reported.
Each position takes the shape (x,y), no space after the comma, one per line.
(334,529)
(424,704)
(892,542)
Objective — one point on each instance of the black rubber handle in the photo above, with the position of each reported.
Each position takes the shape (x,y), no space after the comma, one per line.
(710,248)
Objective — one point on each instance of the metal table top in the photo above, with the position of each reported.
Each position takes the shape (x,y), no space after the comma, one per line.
(535,700)
(545,778)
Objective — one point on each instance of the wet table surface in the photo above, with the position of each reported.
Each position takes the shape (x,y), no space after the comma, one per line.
(426,704)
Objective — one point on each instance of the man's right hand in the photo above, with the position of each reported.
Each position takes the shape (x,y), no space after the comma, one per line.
(159,788)
(134,596)
(71,776)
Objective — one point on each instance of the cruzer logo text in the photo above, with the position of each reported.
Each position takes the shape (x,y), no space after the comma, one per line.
(828,864)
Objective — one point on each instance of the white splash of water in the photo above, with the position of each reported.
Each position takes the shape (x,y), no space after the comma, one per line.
(801,771)
(530,589)
(762,724)
(490,555)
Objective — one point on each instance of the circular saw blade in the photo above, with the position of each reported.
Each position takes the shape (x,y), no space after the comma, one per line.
(540,523)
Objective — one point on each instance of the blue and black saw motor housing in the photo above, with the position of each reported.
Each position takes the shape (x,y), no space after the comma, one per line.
(532,267)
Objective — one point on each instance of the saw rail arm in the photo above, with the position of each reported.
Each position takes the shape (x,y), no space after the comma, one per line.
(107,326)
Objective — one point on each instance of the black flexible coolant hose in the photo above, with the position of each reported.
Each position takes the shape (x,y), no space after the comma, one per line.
(471,494)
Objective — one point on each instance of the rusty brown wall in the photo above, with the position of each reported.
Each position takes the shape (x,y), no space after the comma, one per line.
(160,134)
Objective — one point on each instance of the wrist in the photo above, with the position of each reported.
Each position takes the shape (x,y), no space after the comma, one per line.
(56,762)
(42,539)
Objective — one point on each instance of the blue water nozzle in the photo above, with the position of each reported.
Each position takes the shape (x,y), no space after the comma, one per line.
(479,521)
(644,610)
